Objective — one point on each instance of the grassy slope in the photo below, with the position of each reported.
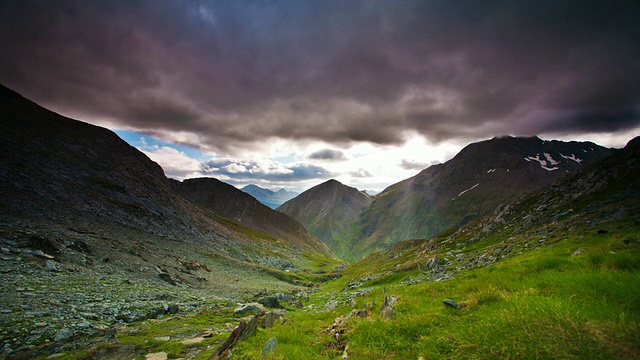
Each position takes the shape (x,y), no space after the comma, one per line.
(543,303)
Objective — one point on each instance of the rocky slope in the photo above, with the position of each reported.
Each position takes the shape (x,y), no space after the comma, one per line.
(474,183)
(92,234)
(272,199)
(329,211)
(241,207)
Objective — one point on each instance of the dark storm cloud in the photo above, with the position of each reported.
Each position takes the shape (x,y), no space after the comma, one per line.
(251,170)
(238,72)
(328,154)
(413,165)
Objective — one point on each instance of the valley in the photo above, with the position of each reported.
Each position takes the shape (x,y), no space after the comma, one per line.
(516,248)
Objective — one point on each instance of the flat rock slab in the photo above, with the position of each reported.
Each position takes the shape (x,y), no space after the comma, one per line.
(156,356)
(192,341)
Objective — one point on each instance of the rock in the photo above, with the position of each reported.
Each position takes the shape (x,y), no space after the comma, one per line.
(62,335)
(246,328)
(167,278)
(269,346)
(451,303)
(331,304)
(578,252)
(172,309)
(285,297)
(162,338)
(50,265)
(271,301)
(432,263)
(156,356)
(386,310)
(297,303)
(250,308)
(196,340)
(269,319)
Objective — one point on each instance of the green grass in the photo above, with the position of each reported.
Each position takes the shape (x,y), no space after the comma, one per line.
(543,304)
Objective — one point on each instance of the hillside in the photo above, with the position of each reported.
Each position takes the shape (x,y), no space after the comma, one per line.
(91,233)
(272,199)
(241,207)
(474,183)
(328,211)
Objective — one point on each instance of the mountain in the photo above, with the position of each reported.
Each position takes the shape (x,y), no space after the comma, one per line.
(600,199)
(88,220)
(243,208)
(328,211)
(481,177)
(270,198)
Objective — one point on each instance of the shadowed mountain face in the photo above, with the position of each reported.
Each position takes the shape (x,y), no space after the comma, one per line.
(241,207)
(474,183)
(328,211)
(270,198)
(68,185)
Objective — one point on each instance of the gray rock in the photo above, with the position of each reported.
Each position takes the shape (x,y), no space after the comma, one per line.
(271,301)
(331,304)
(63,334)
(167,278)
(250,308)
(269,346)
(50,265)
(269,319)
(451,303)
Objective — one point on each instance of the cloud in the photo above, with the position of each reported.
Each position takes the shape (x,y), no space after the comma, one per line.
(271,170)
(176,164)
(413,165)
(361,173)
(328,154)
(242,72)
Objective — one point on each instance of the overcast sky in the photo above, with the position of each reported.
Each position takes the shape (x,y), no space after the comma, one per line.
(292,93)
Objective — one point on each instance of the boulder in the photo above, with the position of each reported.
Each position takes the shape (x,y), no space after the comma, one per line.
(250,308)
(269,346)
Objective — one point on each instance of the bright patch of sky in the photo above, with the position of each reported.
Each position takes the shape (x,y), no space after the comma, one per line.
(296,166)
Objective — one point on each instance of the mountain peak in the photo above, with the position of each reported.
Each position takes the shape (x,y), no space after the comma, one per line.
(328,211)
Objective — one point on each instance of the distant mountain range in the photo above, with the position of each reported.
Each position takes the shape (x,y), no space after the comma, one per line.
(267,197)
(329,211)
(483,176)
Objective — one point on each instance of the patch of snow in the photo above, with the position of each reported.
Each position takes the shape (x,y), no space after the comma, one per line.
(471,188)
(537,158)
(550,159)
(549,168)
(490,171)
(572,157)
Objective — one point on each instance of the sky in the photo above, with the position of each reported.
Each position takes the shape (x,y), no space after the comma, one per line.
(288,94)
